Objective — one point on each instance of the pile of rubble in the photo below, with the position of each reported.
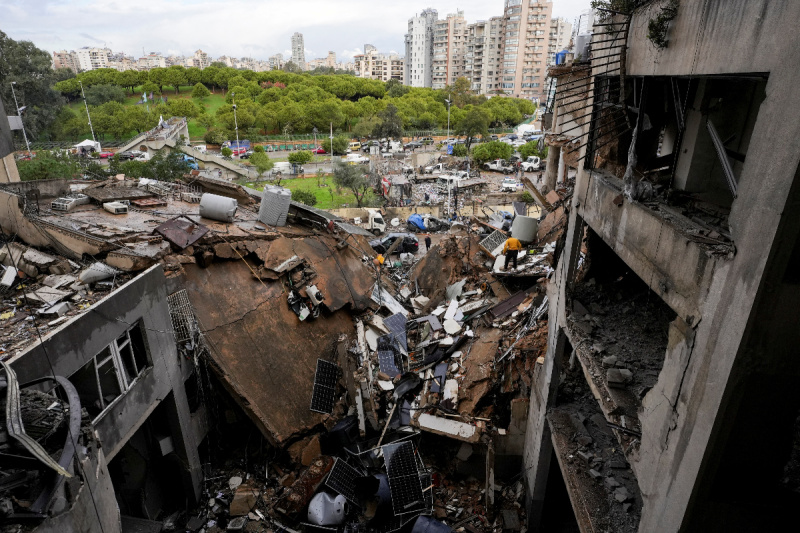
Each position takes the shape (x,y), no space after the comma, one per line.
(41,291)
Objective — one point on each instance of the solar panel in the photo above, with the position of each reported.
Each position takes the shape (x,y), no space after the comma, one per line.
(404,481)
(342,480)
(397,325)
(324,394)
(425,481)
(387,363)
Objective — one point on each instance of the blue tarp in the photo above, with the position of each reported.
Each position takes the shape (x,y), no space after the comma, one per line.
(417,220)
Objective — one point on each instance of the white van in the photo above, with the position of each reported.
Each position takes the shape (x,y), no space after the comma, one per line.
(284,167)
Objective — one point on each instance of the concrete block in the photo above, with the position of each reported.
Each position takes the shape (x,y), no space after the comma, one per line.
(464,452)
(621,494)
(587,457)
(609,361)
(617,377)
(595,474)
(611,483)
(244,500)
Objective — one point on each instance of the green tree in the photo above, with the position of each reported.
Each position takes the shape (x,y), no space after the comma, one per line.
(259,148)
(262,162)
(340,144)
(474,123)
(175,76)
(128,79)
(490,151)
(365,127)
(171,166)
(137,118)
(100,94)
(29,68)
(300,158)
(227,152)
(353,178)
(532,148)
(206,121)
(48,165)
(391,124)
(460,150)
(304,197)
(200,91)
(182,107)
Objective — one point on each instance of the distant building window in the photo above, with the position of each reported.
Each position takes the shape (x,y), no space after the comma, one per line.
(112,372)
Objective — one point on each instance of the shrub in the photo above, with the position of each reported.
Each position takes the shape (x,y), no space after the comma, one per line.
(304,197)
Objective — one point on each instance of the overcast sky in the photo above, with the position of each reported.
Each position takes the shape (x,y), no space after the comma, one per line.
(237,28)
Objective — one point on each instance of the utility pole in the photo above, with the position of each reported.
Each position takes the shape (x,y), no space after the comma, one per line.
(87,111)
(236,123)
(19,114)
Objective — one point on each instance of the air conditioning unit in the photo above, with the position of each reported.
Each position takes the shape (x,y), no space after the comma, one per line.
(63,204)
(191,197)
(67,203)
(116,208)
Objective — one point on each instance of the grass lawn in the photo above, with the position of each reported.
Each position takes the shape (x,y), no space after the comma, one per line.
(326,196)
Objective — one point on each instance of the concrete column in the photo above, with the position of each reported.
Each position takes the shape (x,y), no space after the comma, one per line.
(562,167)
(551,172)
(8,169)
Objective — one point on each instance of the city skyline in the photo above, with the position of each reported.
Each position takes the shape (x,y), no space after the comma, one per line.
(53,26)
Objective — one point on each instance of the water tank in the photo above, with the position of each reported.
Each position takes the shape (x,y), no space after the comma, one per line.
(524,228)
(218,207)
(274,205)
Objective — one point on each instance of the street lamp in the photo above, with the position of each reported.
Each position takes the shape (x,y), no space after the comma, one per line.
(19,114)
(236,123)
(87,111)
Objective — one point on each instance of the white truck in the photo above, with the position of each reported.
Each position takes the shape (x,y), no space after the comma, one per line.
(498,165)
(434,169)
(374,222)
(355,159)
(532,163)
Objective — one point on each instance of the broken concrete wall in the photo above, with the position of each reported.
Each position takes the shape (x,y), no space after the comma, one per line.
(95,507)
(66,349)
(45,188)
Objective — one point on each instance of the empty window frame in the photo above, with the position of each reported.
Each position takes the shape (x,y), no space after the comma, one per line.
(113,371)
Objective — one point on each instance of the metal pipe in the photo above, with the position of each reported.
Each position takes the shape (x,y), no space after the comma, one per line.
(87,111)
(19,114)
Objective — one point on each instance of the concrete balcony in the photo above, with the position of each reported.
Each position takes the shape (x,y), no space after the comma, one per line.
(678,265)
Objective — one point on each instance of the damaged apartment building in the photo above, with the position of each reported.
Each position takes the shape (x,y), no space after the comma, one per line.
(195,355)
(670,393)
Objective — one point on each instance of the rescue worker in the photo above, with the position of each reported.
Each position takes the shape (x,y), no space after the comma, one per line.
(511,249)
(427,242)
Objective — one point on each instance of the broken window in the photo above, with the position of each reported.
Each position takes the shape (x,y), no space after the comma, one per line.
(113,371)
(690,135)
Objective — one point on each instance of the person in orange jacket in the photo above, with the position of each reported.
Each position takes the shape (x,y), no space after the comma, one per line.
(511,249)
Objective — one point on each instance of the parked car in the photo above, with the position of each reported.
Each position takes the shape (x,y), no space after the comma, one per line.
(105,155)
(319,150)
(427,140)
(127,156)
(493,137)
(410,243)
(246,155)
(412,145)
(355,146)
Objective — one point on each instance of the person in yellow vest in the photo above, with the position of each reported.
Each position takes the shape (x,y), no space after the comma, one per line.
(511,249)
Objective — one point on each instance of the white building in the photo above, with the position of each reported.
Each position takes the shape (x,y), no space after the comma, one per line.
(483,56)
(92,58)
(276,62)
(376,66)
(419,49)
(298,51)
(64,59)
(560,35)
